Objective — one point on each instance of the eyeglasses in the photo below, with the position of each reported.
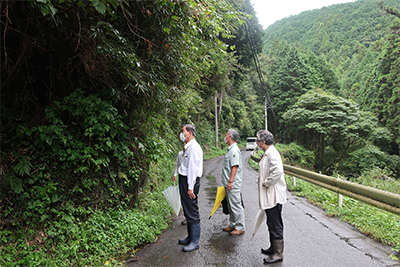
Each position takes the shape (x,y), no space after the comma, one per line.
(258,141)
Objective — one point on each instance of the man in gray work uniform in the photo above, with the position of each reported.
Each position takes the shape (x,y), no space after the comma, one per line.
(232,181)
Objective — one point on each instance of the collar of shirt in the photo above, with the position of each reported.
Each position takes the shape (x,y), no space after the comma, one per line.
(230,147)
(265,152)
(188,144)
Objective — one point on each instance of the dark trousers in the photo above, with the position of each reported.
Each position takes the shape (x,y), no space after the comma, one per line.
(190,206)
(274,222)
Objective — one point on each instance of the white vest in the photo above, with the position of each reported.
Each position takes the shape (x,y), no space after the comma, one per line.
(273,179)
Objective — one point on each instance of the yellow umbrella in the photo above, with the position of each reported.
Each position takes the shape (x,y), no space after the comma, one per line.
(218,199)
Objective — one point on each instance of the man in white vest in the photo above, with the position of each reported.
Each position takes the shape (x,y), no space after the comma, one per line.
(272,194)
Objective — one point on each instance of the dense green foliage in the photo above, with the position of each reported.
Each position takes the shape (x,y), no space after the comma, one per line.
(338,31)
(352,51)
(93,95)
(337,130)
(292,73)
(93,237)
(383,96)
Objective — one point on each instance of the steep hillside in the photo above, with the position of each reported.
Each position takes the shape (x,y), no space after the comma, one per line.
(342,27)
(358,42)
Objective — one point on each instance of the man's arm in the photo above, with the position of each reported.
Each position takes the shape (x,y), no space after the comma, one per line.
(233,174)
(194,163)
(275,171)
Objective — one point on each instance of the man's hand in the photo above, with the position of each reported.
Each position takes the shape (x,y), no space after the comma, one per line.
(191,194)
(230,186)
(174,178)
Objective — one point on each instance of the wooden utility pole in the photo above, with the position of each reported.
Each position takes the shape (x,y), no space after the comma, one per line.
(258,68)
(266,113)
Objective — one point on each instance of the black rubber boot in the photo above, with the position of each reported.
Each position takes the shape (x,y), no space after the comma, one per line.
(187,240)
(278,252)
(270,250)
(195,236)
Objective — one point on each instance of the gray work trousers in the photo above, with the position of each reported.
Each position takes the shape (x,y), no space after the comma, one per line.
(236,211)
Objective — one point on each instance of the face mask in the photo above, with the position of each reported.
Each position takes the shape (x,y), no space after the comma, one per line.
(225,140)
(182,137)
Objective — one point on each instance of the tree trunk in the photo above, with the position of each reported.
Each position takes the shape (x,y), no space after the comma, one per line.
(220,103)
(216,121)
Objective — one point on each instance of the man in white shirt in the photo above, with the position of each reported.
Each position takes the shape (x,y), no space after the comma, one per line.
(190,171)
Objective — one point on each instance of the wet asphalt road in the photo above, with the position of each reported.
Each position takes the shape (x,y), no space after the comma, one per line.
(311,238)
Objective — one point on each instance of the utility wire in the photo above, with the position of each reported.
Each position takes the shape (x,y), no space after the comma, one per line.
(268,102)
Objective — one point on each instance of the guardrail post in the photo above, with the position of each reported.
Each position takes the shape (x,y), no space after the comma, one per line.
(340,197)
(294,181)
(340,200)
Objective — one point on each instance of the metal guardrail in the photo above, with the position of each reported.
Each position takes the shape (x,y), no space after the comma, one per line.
(378,198)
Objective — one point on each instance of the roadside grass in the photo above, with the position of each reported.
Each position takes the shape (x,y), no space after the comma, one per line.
(378,224)
(87,237)
(214,152)
(106,238)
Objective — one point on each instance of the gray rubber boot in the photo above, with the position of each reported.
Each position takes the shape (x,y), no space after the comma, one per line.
(195,235)
(278,252)
(187,240)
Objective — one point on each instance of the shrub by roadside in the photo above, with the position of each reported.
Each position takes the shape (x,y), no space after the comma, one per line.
(86,237)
